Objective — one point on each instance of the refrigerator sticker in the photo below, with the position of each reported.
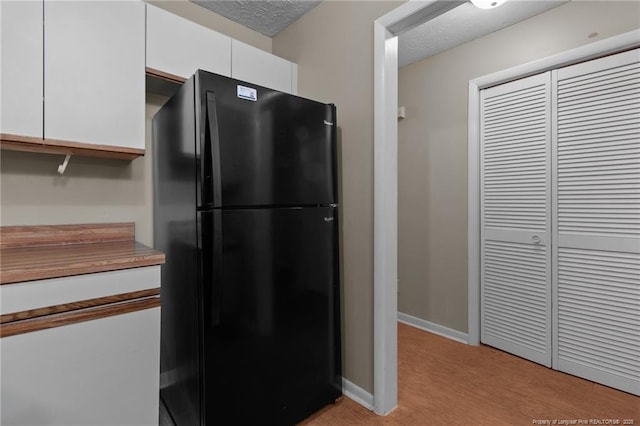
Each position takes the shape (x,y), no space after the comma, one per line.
(247,93)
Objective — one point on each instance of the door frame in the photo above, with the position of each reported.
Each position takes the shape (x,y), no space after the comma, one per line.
(385,186)
(600,48)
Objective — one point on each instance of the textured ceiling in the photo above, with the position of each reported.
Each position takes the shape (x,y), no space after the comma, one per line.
(268,17)
(462,24)
(453,28)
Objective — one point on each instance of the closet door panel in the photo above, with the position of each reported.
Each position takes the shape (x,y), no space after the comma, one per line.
(598,316)
(597,220)
(515,217)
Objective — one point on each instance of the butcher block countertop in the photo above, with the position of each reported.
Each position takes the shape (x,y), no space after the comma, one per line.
(30,253)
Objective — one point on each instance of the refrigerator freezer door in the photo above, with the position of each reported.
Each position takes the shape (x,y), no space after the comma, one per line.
(274,149)
(275,344)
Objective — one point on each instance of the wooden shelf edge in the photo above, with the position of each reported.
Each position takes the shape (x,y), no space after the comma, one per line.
(78,305)
(55,146)
(165,75)
(74,317)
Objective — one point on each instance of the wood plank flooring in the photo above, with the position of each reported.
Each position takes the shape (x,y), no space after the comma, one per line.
(442,382)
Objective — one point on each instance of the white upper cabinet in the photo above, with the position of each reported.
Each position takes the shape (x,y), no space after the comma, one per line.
(259,67)
(21,74)
(178,46)
(94,72)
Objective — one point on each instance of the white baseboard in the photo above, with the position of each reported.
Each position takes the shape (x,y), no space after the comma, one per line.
(356,393)
(434,328)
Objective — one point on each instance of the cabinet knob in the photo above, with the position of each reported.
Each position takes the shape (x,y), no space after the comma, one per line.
(535,239)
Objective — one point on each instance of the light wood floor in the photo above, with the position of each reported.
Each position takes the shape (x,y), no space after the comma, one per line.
(442,382)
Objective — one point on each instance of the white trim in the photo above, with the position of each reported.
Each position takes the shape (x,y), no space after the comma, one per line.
(357,394)
(403,12)
(589,51)
(385,213)
(385,204)
(414,13)
(473,216)
(434,328)
(610,45)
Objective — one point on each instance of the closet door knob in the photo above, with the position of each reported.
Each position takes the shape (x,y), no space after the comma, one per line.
(535,239)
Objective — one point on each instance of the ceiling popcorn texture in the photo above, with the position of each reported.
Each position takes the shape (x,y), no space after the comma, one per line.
(453,28)
(462,24)
(267,17)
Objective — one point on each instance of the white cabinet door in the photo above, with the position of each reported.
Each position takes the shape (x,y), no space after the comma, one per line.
(98,372)
(597,220)
(259,67)
(21,74)
(178,46)
(94,72)
(516,217)
(92,368)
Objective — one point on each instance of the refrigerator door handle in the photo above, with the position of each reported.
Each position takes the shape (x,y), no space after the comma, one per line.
(211,157)
(216,280)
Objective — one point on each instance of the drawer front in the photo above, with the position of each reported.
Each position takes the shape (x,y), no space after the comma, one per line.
(59,291)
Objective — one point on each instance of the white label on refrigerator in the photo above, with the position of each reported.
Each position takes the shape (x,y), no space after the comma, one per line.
(247,93)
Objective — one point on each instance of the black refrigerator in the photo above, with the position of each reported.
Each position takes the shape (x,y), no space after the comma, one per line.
(246,210)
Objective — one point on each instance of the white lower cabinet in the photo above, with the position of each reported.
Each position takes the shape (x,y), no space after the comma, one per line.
(99,372)
(95,365)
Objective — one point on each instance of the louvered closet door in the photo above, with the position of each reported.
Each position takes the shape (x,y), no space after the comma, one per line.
(515,217)
(597,221)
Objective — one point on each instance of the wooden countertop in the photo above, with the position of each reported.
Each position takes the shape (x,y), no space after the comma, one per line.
(39,252)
